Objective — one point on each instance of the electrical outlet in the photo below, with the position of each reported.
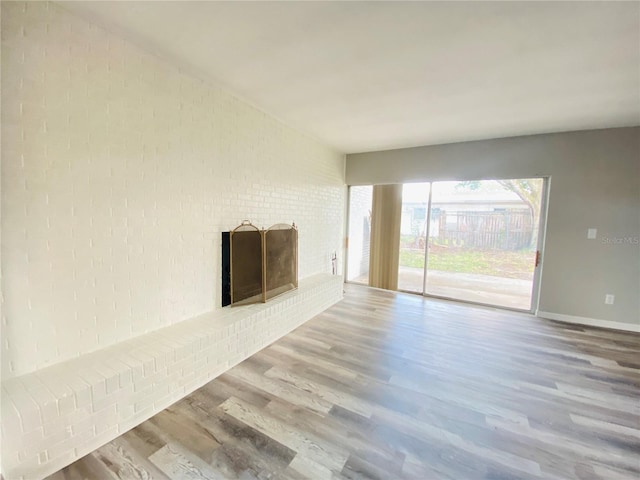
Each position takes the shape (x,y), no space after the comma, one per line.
(609,298)
(592,233)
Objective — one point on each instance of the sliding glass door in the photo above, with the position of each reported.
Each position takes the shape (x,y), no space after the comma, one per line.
(474,241)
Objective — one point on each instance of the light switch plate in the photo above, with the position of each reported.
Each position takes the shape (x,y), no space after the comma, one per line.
(592,233)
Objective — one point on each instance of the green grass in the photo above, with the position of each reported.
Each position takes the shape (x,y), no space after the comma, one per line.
(510,264)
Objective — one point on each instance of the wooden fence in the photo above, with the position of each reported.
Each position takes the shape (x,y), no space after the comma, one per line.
(501,230)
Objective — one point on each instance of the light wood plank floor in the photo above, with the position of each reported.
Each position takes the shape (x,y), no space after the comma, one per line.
(392,386)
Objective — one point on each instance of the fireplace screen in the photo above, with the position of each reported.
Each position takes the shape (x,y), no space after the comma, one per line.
(246,264)
(264,263)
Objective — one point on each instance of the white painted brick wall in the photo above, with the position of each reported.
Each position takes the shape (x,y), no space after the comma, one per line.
(118,175)
(359,229)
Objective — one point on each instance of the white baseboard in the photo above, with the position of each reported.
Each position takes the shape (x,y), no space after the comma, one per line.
(592,322)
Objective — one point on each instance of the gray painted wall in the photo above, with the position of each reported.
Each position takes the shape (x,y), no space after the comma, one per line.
(595,183)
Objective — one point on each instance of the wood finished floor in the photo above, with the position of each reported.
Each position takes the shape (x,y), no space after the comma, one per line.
(392,386)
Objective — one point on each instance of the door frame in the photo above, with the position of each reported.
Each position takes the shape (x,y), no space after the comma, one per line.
(537,271)
(542,235)
(541,241)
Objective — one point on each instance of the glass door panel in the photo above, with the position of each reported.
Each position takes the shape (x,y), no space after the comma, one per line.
(413,236)
(483,241)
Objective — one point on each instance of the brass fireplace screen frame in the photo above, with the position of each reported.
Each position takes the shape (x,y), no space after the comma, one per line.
(264,263)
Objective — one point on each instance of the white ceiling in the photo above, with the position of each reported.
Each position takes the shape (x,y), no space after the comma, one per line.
(364,76)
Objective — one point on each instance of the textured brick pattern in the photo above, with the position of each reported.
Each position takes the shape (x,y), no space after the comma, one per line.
(59,414)
(118,174)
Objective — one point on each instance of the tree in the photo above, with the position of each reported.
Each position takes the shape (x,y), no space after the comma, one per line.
(530,192)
